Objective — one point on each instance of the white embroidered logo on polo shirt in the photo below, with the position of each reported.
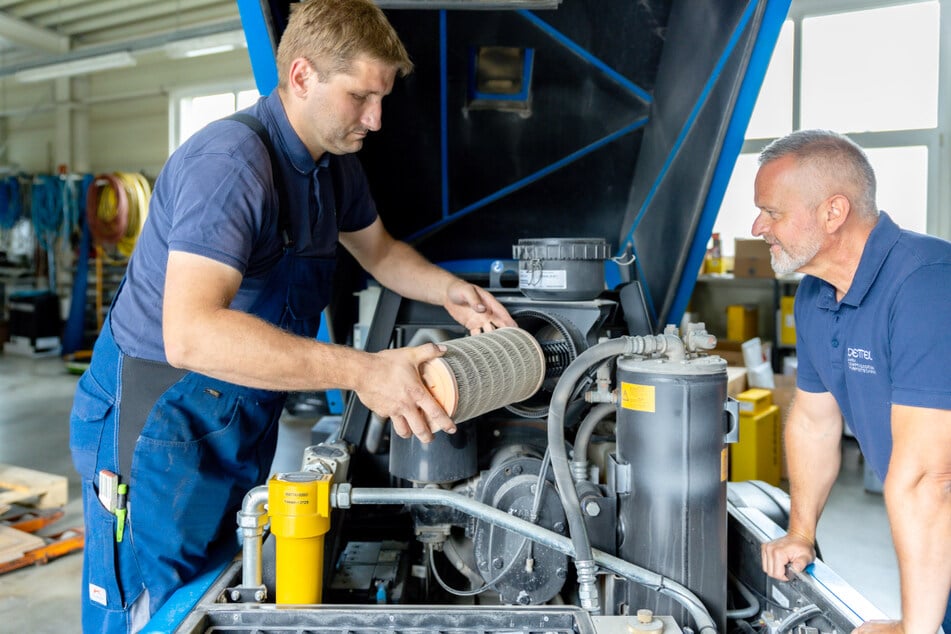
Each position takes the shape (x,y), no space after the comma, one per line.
(861,361)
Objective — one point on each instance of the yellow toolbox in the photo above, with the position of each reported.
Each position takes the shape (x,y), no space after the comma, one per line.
(758,454)
(742,322)
(787,322)
(754,400)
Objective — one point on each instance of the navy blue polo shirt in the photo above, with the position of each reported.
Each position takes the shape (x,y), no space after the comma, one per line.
(215,198)
(886,342)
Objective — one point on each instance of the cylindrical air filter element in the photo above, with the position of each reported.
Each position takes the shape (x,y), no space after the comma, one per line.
(299,509)
(483,372)
(671,435)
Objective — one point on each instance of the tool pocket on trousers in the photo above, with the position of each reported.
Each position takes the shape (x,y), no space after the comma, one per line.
(92,405)
(193,409)
(112,580)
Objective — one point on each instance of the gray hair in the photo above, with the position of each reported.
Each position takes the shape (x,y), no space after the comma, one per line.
(831,157)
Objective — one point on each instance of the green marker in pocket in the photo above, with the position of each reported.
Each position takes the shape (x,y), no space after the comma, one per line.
(122,490)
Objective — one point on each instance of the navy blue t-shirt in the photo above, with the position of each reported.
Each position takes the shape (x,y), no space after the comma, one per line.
(215,198)
(886,342)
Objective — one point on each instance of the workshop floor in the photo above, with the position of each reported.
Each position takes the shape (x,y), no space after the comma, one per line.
(35,398)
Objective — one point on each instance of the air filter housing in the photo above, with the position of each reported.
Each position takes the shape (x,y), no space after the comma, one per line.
(484,372)
(562,269)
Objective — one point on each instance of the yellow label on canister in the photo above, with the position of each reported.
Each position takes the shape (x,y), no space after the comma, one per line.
(639,398)
(724,464)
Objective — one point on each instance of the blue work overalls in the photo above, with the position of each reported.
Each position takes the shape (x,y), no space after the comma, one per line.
(203,445)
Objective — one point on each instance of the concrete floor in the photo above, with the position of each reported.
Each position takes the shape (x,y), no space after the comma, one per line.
(35,398)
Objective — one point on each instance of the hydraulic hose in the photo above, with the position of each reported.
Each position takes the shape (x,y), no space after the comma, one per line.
(752,603)
(344,496)
(583,437)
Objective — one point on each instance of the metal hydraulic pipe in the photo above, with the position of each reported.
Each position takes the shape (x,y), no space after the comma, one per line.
(344,496)
(251,520)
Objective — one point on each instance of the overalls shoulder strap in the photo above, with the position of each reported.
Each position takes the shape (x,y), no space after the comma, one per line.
(284,217)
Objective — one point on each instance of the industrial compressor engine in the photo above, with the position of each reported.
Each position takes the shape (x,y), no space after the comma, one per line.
(587,468)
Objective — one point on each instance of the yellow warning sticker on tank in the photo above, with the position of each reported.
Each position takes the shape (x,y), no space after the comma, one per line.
(639,398)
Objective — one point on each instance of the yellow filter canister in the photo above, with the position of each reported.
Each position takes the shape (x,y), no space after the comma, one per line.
(299,509)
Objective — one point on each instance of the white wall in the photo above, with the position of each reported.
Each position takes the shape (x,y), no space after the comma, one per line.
(119,118)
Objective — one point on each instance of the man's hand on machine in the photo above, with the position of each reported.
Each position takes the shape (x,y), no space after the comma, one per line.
(793,549)
(392,388)
(475,308)
(880,627)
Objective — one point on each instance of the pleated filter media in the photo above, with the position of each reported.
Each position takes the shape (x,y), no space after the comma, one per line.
(484,372)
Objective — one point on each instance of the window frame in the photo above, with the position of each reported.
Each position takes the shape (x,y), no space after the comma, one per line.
(939,152)
(176,96)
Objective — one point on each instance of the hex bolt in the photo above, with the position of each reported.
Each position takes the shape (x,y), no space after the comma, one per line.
(259,595)
(592,508)
(559,527)
(497,563)
(235,596)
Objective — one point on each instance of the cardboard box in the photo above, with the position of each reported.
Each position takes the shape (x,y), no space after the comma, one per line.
(735,380)
(751,258)
(742,322)
(783,392)
(782,397)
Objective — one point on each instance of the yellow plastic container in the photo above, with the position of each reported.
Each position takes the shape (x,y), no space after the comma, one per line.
(787,322)
(758,454)
(742,322)
(754,401)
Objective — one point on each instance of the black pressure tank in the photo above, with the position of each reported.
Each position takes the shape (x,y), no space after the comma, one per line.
(672,430)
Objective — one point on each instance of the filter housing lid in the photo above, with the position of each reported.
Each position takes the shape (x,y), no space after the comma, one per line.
(701,365)
(561,249)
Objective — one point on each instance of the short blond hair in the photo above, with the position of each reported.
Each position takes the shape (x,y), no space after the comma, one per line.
(331,34)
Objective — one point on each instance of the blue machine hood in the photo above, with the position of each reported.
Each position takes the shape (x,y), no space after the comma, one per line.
(625,125)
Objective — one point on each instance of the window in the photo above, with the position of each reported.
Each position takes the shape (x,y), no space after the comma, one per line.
(871,72)
(192,112)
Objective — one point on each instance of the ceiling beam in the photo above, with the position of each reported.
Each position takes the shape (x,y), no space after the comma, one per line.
(23,33)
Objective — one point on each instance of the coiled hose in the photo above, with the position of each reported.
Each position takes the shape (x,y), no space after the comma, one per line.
(116,207)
